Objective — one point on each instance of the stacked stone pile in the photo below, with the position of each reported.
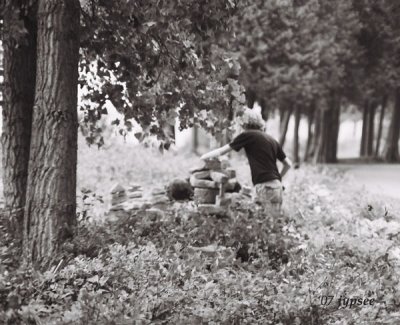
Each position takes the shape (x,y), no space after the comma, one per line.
(125,202)
(211,182)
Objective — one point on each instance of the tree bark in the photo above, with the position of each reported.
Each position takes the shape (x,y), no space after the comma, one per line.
(371,129)
(392,142)
(285,118)
(310,117)
(18,94)
(50,211)
(326,149)
(364,131)
(195,139)
(317,133)
(380,127)
(296,156)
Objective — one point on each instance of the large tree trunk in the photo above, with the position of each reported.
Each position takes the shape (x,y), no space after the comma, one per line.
(392,142)
(380,127)
(284,123)
(18,94)
(296,156)
(50,213)
(326,149)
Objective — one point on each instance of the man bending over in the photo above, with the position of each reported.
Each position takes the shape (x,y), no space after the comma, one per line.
(262,152)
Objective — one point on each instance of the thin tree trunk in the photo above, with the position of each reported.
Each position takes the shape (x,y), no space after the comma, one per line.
(285,118)
(317,133)
(380,127)
(371,129)
(296,156)
(50,212)
(18,95)
(310,117)
(195,139)
(364,131)
(392,142)
(264,110)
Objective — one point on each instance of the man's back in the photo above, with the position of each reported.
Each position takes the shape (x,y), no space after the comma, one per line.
(262,152)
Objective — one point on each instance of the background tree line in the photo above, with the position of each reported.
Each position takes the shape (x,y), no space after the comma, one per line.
(295,57)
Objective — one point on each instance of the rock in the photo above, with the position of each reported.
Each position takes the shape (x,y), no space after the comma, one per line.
(161,202)
(117,207)
(117,189)
(213,164)
(179,189)
(134,188)
(211,209)
(232,185)
(158,191)
(202,183)
(135,195)
(225,163)
(205,174)
(154,214)
(246,190)
(218,177)
(209,164)
(118,195)
(230,172)
(223,201)
(205,195)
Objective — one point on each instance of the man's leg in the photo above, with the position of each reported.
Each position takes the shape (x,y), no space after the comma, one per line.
(270,198)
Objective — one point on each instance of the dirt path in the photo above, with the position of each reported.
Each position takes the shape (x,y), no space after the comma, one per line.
(381,179)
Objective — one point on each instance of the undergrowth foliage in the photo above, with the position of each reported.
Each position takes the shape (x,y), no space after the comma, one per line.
(250,268)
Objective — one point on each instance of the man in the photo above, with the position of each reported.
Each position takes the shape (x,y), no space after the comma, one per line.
(262,152)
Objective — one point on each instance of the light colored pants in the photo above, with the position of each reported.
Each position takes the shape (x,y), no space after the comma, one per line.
(269,196)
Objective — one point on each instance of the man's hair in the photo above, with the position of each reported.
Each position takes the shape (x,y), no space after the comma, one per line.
(252,119)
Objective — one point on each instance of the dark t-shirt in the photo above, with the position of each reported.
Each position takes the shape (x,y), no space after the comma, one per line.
(262,151)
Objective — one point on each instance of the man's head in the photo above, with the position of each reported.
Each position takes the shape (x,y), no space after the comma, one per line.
(252,120)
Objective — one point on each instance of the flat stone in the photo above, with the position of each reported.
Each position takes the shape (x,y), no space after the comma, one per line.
(223,201)
(229,172)
(135,195)
(118,200)
(205,195)
(158,191)
(213,164)
(117,207)
(211,209)
(218,177)
(134,188)
(209,164)
(246,190)
(202,183)
(205,174)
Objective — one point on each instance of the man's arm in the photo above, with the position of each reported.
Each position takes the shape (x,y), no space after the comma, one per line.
(217,152)
(287,164)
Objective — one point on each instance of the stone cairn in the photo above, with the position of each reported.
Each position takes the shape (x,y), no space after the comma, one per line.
(125,202)
(213,182)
